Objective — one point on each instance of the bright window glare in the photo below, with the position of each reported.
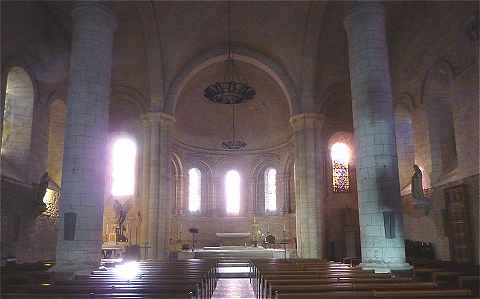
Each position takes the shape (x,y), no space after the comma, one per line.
(194,189)
(127,271)
(270,190)
(123,167)
(232,190)
(340,152)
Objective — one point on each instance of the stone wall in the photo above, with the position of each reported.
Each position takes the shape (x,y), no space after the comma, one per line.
(421,225)
(24,235)
(213,217)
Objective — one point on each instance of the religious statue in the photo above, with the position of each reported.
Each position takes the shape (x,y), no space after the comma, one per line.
(121,212)
(417,190)
(255,233)
(417,185)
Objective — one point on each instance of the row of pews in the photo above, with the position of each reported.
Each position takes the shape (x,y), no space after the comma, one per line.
(310,278)
(149,279)
(449,274)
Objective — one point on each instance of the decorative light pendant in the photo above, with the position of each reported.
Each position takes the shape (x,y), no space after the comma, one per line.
(231,91)
(233,144)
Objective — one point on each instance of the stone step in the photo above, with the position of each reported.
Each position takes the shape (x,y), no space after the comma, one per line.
(233,270)
(232,264)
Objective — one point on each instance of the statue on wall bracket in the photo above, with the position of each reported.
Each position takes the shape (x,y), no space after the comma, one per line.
(121,211)
(419,199)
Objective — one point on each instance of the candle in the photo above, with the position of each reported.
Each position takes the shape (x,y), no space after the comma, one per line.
(268,227)
(284,227)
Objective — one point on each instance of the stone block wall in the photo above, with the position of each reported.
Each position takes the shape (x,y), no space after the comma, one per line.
(25,237)
(209,226)
(431,227)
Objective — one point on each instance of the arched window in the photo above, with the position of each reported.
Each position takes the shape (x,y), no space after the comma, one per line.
(270,190)
(340,154)
(17,123)
(438,99)
(232,192)
(194,190)
(123,167)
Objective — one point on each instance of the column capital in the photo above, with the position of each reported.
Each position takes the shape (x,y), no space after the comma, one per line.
(157,118)
(304,121)
(97,14)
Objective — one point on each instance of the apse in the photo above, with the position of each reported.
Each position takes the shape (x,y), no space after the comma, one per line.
(261,122)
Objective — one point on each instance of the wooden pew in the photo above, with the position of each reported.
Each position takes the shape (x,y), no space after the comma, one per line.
(314,279)
(159,279)
(397,294)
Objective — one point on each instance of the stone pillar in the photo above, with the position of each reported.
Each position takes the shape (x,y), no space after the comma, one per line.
(286,193)
(219,196)
(85,151)
(159,189)
(145,183)
(3,94)
(379,204)
(181,200)
(309,186)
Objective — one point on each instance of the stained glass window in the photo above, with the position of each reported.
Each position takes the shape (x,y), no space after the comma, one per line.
(232,190)
(340,154)
(270,190)
(194,189)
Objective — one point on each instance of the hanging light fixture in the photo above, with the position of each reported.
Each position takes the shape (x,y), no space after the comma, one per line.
(232,90)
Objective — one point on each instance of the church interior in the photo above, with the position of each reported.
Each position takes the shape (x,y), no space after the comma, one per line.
(240,149)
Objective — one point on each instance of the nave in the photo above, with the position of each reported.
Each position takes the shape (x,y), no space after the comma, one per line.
(268,279)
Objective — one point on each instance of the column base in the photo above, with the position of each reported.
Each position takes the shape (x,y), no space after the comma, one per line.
(386,267)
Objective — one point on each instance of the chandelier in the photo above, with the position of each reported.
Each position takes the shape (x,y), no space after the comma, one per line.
(233,144)
(232,90)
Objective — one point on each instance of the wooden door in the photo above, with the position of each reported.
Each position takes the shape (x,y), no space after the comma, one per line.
(458,224)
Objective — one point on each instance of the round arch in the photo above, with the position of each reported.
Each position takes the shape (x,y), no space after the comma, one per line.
(260,203)
(131,95)
(437,96)
(261,61)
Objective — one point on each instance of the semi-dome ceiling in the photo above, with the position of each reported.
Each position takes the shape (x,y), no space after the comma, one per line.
(262,122)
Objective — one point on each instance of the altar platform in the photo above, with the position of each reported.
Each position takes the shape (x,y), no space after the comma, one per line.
(234,252)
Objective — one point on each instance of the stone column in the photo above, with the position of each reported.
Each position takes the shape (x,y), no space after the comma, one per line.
(219,196)
(286,193)
(159,189)
(180,200)
(381,224)
(3,94)
(309,186)
(85,151)
(145,183)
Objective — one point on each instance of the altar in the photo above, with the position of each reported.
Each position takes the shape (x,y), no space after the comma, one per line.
(233,239)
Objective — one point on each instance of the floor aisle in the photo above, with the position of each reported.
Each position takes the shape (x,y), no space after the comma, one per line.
(233,288)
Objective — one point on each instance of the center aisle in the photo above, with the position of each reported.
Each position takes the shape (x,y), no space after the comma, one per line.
(233,288)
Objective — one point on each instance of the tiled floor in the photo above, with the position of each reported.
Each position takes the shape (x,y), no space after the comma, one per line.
(233,288)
